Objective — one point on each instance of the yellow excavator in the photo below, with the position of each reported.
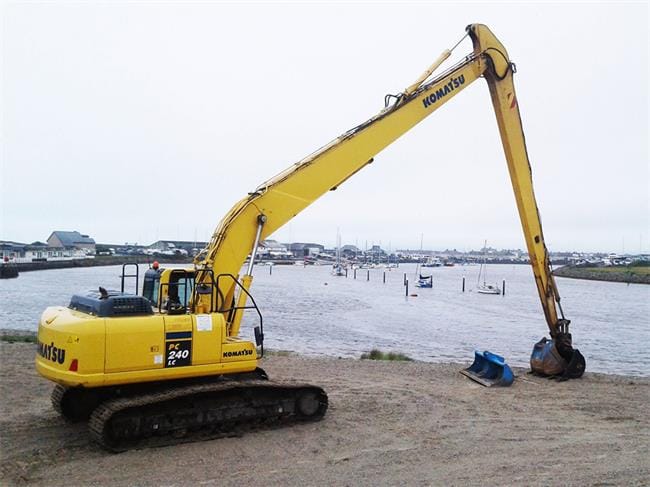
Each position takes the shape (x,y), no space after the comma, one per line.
(169,365)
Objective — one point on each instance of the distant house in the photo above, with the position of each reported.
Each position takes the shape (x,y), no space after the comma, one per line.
(38,251)
(350,251)
(300,250)
(67,240)
(375,252)
(272,249)
(11,250)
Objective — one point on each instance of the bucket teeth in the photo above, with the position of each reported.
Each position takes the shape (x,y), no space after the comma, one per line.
(576,366)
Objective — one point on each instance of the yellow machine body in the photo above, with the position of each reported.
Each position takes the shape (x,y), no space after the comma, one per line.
(80,349)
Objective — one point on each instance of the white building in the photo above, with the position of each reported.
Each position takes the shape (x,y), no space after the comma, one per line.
(39,252)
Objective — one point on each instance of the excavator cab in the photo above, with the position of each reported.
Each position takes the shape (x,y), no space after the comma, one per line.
(175,291)
(168,289)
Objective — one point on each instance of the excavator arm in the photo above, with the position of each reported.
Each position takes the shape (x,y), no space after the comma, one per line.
(498,72)
(282,197)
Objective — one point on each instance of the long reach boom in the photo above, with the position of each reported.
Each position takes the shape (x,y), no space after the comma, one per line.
(282,197)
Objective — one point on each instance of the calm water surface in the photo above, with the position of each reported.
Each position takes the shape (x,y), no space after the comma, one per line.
(309,311)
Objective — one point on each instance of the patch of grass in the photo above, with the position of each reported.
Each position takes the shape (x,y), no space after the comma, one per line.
(640,270)
(18,338)
(376,354)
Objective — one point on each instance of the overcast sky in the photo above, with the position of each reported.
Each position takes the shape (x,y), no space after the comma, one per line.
(133,122)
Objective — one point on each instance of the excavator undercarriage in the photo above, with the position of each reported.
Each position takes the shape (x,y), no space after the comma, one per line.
(170,412)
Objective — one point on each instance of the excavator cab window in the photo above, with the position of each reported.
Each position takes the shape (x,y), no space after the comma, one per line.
(178,291)
(150,286)
(183,286)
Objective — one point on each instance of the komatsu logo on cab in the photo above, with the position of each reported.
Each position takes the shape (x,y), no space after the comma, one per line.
(443,91)
(238,353)
(50,352)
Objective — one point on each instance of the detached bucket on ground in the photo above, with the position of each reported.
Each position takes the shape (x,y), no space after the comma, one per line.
(489,369)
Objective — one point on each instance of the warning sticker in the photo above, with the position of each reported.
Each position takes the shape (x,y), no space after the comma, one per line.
(204,322)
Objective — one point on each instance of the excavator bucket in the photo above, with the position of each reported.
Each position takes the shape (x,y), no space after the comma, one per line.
(489,369)
(557,358)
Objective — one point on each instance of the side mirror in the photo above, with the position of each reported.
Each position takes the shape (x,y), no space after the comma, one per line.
(259,336)
(203,289)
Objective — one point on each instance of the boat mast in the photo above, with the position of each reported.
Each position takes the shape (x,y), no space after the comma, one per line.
(485,262)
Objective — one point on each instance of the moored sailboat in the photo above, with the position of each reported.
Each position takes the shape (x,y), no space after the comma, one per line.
(485,288)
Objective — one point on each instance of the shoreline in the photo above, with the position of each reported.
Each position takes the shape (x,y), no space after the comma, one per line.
(29,337)
(388,423)
(101,261)
(623,275)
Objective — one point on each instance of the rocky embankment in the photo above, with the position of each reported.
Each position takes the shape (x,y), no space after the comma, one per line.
(99,261)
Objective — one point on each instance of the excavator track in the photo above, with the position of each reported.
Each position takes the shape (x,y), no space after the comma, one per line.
(74,404)
(57,399)
(203,411)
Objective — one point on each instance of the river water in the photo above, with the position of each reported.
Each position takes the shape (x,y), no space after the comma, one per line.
(309,311)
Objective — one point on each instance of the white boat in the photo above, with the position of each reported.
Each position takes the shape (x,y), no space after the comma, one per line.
(338,268)
(432,262)
(488,289)
(485,288)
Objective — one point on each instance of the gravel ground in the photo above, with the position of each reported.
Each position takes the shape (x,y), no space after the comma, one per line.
(389,423)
